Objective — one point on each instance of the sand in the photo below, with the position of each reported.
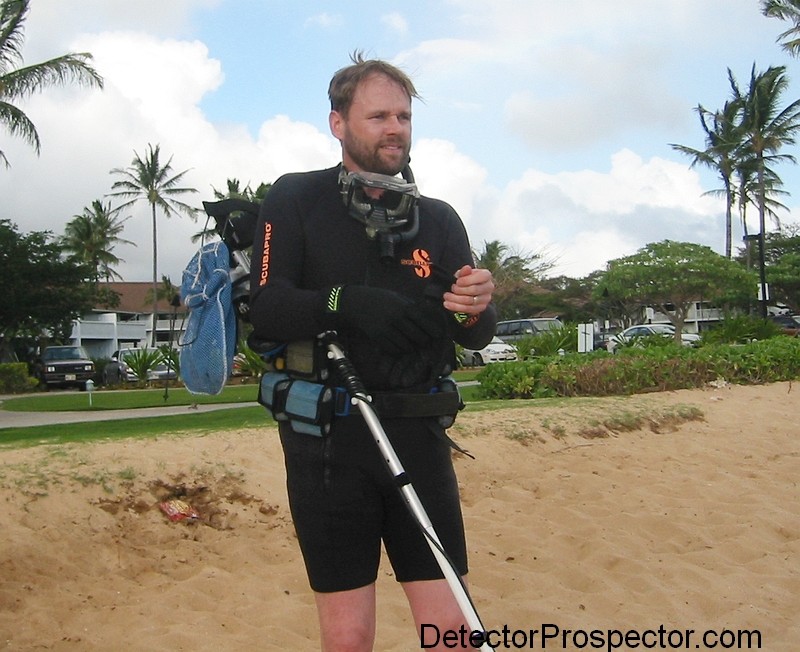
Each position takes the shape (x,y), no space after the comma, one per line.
(660,522)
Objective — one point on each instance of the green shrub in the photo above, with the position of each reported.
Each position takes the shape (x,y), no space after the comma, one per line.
(550,342)
(740,330)
(513,380)
(14,378)
(171,357)
(763,361)
(656,368)
(250,362)
(634,370)
(141,361)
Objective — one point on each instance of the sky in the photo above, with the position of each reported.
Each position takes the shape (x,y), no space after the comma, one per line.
(546,125)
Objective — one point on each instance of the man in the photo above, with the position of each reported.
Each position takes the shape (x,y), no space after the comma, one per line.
(355,250)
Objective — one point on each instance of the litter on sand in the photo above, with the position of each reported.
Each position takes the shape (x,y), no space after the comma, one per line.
(178,510)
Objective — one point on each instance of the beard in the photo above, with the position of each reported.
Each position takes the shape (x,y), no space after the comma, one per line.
(375,159)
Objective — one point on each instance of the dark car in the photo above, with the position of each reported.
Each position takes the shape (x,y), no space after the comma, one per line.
(65,366)
(516,329)
(788,324)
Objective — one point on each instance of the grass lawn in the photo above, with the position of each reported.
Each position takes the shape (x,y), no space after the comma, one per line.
(222,419)
(131,399)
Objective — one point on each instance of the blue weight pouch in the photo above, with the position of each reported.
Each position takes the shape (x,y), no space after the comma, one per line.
(308,407)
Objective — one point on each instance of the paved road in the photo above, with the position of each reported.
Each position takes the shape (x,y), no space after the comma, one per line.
(9,419)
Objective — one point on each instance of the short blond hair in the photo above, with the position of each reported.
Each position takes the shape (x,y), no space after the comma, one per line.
(345,81)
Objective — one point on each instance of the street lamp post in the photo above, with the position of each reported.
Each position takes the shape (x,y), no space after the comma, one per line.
(762,277)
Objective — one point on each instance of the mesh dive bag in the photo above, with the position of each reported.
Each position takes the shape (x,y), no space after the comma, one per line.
(209,343)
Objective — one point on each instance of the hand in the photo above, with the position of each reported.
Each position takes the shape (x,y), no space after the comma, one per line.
(393,322)
(472,291)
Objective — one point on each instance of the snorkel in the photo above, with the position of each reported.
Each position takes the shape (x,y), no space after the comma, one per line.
(391,216)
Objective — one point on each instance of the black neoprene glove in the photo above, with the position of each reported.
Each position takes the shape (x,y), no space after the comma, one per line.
(395,323)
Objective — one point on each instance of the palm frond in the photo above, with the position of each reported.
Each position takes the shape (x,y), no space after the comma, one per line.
(12,15)
(70,68)
(18,124)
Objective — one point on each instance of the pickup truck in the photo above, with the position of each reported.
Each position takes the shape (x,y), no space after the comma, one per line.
(65,366)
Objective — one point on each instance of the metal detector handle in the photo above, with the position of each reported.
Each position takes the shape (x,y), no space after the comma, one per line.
(360,398)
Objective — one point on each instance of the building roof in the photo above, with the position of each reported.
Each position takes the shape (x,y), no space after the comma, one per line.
(133,299)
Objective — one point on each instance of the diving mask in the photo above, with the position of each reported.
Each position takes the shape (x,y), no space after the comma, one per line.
(391,211)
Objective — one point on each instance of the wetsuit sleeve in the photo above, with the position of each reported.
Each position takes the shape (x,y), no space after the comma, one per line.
(470,331)
(280,310)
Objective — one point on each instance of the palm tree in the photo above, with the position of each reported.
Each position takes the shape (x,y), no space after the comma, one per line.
(234,191)
(785,10)
(166,291)
(18,83)
(748,193)
(92,236)
(147,179)
(507,264)
(766,129)
(513,272)
(723,141)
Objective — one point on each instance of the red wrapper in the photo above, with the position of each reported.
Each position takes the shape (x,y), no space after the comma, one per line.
(178,510)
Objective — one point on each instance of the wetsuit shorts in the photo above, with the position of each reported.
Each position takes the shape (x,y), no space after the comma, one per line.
(344,502)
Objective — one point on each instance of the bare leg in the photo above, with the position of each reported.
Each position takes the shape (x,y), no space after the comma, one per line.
(347,619)
(433,604)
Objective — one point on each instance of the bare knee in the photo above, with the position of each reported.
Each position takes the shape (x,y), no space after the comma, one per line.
(347,638)
(438,618)
(347,620)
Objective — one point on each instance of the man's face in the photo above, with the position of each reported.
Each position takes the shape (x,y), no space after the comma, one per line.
(376,134)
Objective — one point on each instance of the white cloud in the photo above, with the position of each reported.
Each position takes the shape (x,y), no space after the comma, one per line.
(560,75)
(396,22)
(443,172)
(581,219)
(629,184)
(50,26)
(293,146)
(152,91)
(440,57)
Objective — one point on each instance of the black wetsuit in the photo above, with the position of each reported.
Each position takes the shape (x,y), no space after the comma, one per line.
(342,498)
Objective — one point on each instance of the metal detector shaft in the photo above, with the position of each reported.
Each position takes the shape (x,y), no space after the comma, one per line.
(412,500)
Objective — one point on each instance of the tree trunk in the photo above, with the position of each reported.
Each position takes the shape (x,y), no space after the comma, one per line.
(762,201)
(155,278)
(728,219)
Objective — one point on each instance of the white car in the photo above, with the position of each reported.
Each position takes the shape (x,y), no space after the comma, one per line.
(495,351)
(647,330)
(118,370)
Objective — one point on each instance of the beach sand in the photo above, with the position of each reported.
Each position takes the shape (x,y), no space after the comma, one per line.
(656,522)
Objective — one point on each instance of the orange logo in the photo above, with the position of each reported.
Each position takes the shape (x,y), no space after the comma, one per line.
(265,255)
(422,263)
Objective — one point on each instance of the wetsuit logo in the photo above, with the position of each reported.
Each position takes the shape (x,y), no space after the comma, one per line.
(421,263)
(265,255)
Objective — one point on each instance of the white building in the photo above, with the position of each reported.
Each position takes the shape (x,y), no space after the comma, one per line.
(130,324)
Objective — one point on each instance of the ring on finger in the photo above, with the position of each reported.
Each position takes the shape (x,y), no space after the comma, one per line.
(474,299)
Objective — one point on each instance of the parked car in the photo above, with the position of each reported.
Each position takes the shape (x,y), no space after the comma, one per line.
(787,323)
(495,351)
(118,370)
(647,330)
(65,366)
(515,329)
